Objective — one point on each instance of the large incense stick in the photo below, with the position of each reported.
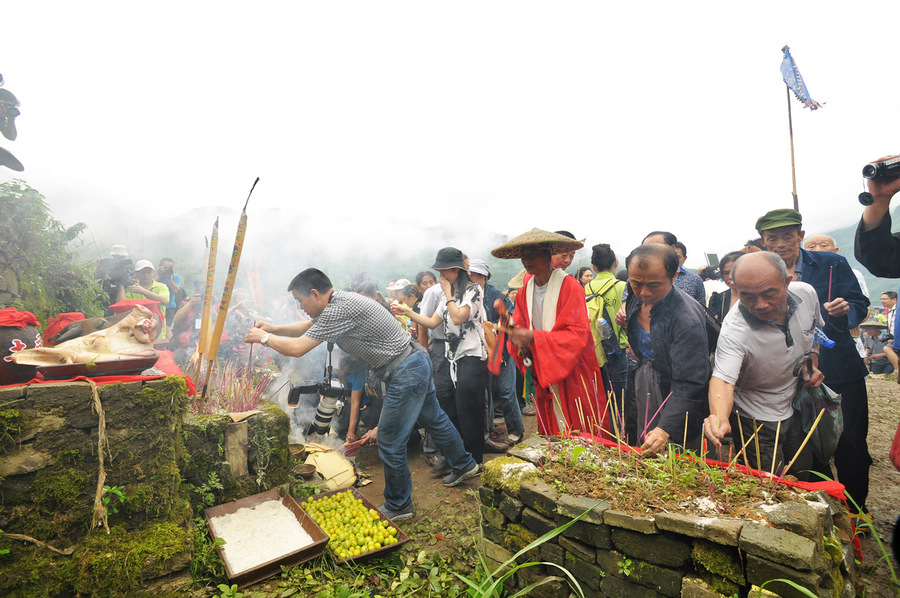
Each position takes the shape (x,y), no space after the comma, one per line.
(203,344)
(229,287)
(775,450)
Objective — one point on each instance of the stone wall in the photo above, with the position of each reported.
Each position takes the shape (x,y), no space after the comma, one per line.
(158,454)
(620,555)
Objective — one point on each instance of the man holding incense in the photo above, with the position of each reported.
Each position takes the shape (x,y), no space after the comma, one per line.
(551,338)
(761,346)
(844,307)
(366,331)
(667,332)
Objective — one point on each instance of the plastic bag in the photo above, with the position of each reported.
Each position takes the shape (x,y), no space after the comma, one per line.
(809,402)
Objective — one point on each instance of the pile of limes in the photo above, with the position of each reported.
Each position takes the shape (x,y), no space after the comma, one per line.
(352,527)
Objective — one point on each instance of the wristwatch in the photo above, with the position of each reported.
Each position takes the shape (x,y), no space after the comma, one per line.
(264,341)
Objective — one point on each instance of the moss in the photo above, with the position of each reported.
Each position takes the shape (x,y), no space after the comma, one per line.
(718,560)
(517,537)
(723,586)
(10,427)
(507,474)
(269,457)
(117,563)
(29,571)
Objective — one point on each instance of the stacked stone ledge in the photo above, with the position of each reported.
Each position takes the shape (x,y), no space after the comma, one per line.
(615,554)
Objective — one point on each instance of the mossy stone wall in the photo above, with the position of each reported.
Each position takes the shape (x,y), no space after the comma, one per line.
(48,479)
(614,554)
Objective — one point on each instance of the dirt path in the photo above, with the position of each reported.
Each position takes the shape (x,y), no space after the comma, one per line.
(884,480)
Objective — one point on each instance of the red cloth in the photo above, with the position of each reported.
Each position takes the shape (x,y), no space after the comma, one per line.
(12,317)
(61,321)
(165,363)
(895,449)
(565,357)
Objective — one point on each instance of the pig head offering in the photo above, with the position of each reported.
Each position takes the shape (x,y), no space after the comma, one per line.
(130,338)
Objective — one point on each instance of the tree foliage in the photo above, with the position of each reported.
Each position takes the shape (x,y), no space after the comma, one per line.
(39,271)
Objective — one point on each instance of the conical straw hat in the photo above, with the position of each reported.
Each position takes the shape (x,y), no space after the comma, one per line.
(517,281)
(512,249)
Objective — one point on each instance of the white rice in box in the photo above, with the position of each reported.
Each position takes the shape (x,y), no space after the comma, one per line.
(257,535)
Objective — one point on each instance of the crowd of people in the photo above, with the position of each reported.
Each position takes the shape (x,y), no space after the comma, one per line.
(653,355)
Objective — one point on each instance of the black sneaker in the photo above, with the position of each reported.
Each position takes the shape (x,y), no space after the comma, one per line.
(400,515)
(454,479)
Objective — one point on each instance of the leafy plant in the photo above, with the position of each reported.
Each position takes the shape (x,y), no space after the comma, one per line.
(109,493)
(206,496)
(5,550)
(625,567)
(489,584)
(229,591)
(39,271)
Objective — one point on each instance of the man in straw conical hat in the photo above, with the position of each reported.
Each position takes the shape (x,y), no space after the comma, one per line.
(552,337)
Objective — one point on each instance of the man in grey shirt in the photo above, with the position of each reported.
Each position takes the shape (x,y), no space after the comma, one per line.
(365,330)
(761,342)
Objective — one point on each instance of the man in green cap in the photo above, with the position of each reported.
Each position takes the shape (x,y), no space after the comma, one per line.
(843,306)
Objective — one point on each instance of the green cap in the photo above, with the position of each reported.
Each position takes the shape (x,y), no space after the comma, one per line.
(778,218)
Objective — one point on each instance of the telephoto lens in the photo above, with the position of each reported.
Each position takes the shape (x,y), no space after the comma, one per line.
(322,421)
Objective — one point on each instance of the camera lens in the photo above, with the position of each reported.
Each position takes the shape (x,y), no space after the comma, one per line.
(870,171)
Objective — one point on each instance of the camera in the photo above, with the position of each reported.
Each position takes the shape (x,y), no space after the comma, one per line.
(330,391)
(879,170)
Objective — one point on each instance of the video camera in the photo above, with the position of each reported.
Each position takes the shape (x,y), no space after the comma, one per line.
(116,271)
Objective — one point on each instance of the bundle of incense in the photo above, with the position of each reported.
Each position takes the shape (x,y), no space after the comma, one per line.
(350,448)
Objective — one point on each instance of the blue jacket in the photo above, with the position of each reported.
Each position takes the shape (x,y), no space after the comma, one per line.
(821,270)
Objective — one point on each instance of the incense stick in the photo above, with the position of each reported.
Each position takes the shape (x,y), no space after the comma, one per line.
(684,442)
(775,450)
(744,445)
(803,445)
(758,457)
(743,452)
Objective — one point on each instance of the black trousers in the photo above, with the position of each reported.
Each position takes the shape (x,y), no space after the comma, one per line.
(851,457)
(471,398)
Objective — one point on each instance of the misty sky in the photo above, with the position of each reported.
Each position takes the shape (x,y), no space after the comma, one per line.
(369,120)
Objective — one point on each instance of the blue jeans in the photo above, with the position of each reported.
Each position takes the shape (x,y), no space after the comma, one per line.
(503,392)
(410,396)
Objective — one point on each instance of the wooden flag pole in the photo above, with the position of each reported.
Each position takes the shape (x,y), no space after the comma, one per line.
(791,131)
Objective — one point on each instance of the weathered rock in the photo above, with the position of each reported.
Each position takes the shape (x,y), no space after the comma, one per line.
(616,587)
(778,545)
(583,551)
(797,517)
(489,496)
(511,508)
(586,572)
(507,474)
(539,496)
(527,453)
(759,571)
(645,525)
(659,549)
(23,461)
(552,553)
(589,533)
(492,517)
(553,589)
(659,579)
(716,529)
(719,560)
(694,587)
(590,510)
(536,522)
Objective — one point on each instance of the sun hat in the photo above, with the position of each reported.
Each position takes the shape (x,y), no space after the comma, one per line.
(142,264)
(118,251)
(778,218)
(477,266)
(512,249)
(872,324)
(399,285)
(449,257)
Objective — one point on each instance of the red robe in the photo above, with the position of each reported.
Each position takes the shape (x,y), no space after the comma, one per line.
(565,364)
